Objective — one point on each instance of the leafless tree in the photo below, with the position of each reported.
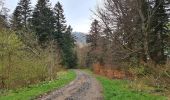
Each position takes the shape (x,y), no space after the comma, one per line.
(128,25)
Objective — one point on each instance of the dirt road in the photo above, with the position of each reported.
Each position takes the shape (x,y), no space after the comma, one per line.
(84,87)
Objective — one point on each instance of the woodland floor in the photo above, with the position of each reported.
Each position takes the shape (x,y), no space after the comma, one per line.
(84,87)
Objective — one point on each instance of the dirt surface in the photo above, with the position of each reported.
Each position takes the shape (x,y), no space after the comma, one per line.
(84,87)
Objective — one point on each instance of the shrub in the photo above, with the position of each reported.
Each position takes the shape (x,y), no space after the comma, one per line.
(22,65)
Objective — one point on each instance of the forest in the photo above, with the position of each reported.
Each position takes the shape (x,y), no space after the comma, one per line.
(128,45)
(30,51)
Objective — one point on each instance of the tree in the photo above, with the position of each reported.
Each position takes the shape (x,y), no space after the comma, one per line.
(3,22)
(159,35)
(22,15)
(60,23)
(21,62)
(120,23)
(94,33)
(26,11)
(93,40)
(43,21)
(17,19)
(153,21)
(3,10)
(69,56)
(132,26)
(68,49)
(10,45)
(64,38)
(3,15)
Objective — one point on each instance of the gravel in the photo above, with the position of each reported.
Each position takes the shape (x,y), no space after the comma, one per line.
(84,87)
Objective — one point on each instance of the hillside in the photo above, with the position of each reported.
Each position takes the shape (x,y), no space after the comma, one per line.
(80,38)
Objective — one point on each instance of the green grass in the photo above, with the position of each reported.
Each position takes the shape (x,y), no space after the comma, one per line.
(36,90)
(118,90)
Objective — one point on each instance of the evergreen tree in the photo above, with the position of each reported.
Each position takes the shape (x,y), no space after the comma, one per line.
(69,37)
(21,15)
(70,56)
(60,23)
(17,19)
(3,22)
(26,11)
(93,40)
(158,37)
(94,34)
(64,38)
(43,21)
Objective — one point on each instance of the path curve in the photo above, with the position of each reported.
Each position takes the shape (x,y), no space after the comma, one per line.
(84,87)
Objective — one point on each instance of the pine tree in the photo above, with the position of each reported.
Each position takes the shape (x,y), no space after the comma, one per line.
(43,21)
(68,49)
(94,33)
(93,38)
(26,11)
(64,38)
(17,19)
(158,36)
(69,37)
(60,22)
(21,15)
(3,22)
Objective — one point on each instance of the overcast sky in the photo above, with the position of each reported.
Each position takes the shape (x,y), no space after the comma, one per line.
(77,12)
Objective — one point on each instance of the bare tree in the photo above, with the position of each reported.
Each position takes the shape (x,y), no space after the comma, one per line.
(128,24)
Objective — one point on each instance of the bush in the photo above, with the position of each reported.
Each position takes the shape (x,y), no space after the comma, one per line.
(157,78)
(22,65)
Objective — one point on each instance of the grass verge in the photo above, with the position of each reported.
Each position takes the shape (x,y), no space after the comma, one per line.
(31,92)
(118,90)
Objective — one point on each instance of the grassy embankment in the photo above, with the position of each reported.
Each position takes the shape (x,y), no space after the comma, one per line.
(120,90)
(35,90)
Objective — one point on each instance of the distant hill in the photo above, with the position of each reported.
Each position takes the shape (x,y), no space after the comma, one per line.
(80,38)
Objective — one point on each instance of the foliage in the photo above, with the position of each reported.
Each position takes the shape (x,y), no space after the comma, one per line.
(133,31)
(33,91)
(158,37)
(60,22)
(21,65)
(93,40)
(157,78)
(69,54)
(21,15)
(43,22)
(3,15)
(48,26)
(10,49)
(16,20)
(63,35)
(134,34)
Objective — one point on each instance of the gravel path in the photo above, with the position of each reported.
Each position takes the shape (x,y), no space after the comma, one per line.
(84,87)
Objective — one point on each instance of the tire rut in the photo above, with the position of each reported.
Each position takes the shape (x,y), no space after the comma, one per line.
(84,87)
